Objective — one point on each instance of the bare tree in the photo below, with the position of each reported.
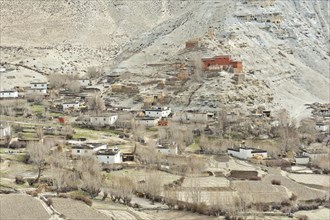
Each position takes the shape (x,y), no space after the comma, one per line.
(307,130)
(58,164)
(38,154)
(57,81)
(96,103)
(94,72)
(154,184)
(287,132)
(222,122)
(121,188)
(198,67)
(90,172)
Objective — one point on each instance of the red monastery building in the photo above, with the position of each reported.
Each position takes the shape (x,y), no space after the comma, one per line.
(223,62)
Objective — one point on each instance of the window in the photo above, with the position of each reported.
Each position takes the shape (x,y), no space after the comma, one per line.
(35,85)
(108,157)
(104,119)
(78,151)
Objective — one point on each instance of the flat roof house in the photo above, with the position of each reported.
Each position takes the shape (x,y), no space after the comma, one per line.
(158,112)
(104,120)
(8,94)
(245,153)
(39,86)
(147,121)
(109,156)
(87,149)
(301,160)
(5,130)
(73,104)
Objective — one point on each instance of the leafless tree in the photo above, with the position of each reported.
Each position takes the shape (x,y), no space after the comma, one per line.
(38,154)
(90,172)
(94,72)
(57,81)
(40,132)
(154,184)
(307,130)
(222,122)
(58,163)
(121,188)
(287,132)
(198,67)
(96,103)
(33,96)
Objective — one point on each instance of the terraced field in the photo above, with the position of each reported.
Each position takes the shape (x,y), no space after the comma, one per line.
(311,179)
(18,206)
(303,192)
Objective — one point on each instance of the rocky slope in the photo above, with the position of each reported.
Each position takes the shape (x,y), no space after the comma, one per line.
(284,45)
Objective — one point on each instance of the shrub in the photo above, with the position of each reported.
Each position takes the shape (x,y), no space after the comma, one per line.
(17,144)
(263,207)
(63,195)
(202,208)
(293,197)
(19,180)
(286,203)
(255,178)
(276,182)
(49,201)
(84,199)
(31,181)
(303,217)
(34,193)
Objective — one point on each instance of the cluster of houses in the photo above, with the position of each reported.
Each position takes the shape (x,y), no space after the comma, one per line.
(101,151)
(40,87)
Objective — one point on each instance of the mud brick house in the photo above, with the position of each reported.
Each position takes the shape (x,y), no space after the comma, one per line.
(223,62)
(193,44)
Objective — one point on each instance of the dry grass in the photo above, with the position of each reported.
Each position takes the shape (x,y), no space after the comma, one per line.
(252,191)
(313,179)
(76,210)
(14,206)
(303,192)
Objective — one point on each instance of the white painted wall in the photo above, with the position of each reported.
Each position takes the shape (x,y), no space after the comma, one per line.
(302,160)
(322,127)
(74,105)
(38,85)
(109,159)
(103,120)
(245,153)
(155,113)
(147,123)
(5,131)
(85,82)
(8,94)
(82,152)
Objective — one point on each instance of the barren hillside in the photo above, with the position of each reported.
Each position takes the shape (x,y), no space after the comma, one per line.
(284,45)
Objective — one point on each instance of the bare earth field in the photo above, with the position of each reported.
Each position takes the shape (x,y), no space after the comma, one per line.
(15,206)
(303,192)
(76,209)
(311,179)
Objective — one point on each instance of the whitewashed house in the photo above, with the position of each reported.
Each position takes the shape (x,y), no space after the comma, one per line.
(245,153)
(109,156)
(85,82)
(315,154)
(301,160)
(147,121)
(322,127)
(5,130)
(39,86)
(167,150)
(8,94)
(158,112)
(87,149)
(74,105)
(105,120)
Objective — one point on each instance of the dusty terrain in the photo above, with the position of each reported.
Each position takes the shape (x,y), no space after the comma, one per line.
(286,63)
